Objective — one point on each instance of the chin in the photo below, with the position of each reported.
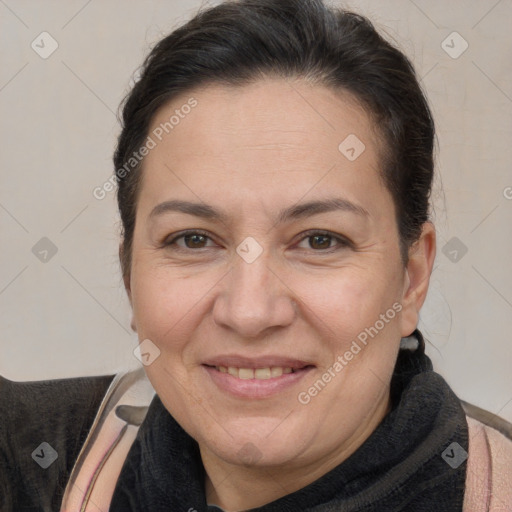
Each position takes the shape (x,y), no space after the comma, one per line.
(256,441)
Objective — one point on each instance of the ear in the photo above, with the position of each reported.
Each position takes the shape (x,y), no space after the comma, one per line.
(417,277)
(127,286)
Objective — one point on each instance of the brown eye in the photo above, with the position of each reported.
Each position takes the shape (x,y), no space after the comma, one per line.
(195,241)
(323,241)
(320,241)
(189,240)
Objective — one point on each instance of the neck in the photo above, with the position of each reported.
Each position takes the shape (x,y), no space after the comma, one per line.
(233,488)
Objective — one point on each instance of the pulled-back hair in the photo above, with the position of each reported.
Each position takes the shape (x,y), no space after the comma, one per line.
(238,42)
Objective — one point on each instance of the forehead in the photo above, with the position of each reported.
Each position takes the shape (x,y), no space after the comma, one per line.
(272,137)
(228,116)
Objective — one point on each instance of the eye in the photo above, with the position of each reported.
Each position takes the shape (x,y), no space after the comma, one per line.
(320,241)
(323,240)
(190,240)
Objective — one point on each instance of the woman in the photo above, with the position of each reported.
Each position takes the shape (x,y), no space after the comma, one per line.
(274,169)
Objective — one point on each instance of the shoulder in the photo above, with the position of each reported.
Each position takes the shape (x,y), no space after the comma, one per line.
(489,467)
(487,418)
(51,394)
(56,412)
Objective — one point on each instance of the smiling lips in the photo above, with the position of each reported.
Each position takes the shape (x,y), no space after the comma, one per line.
(265,367)
(255,378)
(256,373)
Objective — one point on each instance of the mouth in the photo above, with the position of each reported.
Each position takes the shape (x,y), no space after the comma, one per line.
(256,378)
(265,373)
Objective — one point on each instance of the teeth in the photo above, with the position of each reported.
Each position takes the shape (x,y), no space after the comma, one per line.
(277,371)
(257,373)
(245,373)
(262,373)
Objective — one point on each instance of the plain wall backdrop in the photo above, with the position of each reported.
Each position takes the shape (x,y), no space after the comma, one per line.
(63,309)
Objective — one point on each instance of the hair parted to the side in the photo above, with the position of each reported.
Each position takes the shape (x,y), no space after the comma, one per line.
(237,42)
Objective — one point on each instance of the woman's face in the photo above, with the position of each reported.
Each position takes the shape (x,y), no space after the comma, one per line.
(295,267)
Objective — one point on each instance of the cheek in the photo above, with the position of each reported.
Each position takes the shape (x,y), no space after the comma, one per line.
(349,299)
(160,301)
(170,303)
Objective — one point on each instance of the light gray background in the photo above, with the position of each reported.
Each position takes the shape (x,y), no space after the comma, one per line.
(69,316)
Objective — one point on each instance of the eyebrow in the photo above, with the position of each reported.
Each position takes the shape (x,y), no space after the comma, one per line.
(294,212)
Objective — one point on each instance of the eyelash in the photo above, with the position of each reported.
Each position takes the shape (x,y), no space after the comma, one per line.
(342,241)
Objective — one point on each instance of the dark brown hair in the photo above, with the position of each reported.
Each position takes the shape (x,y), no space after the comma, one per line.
(237,42)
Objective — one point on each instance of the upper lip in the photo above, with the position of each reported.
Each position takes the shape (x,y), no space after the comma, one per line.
(238,361)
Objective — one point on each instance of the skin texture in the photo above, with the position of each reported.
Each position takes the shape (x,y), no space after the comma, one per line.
(251,151)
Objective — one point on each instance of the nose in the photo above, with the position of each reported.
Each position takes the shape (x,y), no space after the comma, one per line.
(254,300)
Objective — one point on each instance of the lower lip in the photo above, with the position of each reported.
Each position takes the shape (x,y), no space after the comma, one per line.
(255,388)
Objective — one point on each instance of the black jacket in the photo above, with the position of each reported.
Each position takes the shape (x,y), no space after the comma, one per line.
(59,412)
